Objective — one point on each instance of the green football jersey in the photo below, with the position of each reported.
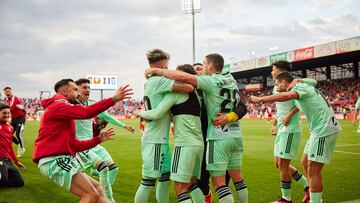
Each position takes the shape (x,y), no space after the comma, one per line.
(318,111)
(357,105)
(282,109)
(187,128)
(157,131)
(84,129)
(221,95)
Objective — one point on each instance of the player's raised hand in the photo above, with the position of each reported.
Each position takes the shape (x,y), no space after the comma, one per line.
(21,166)
(123,92)
(255,99)
(220,120)
(107,135)
(130,129)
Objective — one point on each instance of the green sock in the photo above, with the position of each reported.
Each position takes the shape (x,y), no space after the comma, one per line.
(113,170)
(104,181)
(242,191)
(286,190)
(315,197)
(184,198)
(301,179)
(144,190)
(197,195)
(224,194)
(162,191)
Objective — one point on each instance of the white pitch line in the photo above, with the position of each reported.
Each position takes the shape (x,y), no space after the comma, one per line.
(347,145)
(354,153)
(352,201)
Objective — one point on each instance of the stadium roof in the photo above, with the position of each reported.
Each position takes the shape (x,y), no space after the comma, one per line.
(302,55)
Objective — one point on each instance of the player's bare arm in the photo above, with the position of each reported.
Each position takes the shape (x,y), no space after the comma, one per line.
(280,97)
(173,75)
(287,118)
(182,87)
(356,113)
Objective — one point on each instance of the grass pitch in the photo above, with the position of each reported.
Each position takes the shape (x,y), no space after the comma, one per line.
(341,178)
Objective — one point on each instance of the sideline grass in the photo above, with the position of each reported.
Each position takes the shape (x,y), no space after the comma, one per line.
(341,178)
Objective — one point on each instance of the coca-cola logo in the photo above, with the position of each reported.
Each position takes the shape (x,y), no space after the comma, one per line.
(304,54)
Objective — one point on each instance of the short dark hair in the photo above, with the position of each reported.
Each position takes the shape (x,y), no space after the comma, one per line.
(283,65)
(156,55)
(285,76)
(217,60)
(197,64)
(81,81)
(62,83)
(187,68)
(7,88)
(4,106)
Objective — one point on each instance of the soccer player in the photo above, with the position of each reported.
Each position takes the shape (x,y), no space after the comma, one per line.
(324,127)
(220,120)
(287,129)
(356,113)
(225,148)
(17,118)
(155,141)
(188,140)
(98,157)
(9,175)
(56,144)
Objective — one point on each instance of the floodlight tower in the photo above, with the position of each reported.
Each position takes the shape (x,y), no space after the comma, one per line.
(192,7)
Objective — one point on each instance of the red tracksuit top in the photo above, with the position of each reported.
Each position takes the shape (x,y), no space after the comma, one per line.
(6,149)
(15,111)
(57,134)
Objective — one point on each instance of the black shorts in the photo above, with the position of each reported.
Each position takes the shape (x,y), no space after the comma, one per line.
(9,175)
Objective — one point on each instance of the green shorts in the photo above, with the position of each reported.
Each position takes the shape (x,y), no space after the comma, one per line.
(156,159)
(102,153)
(186,163)
(88,158)
(286,145)
(321,149)
(223,155)
(60,169)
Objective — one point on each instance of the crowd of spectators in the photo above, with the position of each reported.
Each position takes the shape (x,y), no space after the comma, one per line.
(342,95)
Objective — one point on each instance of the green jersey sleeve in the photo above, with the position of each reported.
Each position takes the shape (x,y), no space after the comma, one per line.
(168,101)
(302,90)
(111,119)
(310,81)
(204,82)
(357,105)
(164,85)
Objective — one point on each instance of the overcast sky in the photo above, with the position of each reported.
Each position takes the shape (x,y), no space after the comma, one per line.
(42,41)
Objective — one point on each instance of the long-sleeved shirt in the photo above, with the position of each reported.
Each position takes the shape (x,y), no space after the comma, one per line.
(57,135)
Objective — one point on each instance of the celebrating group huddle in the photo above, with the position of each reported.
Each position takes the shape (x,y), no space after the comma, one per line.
(182,92)
(203,101)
